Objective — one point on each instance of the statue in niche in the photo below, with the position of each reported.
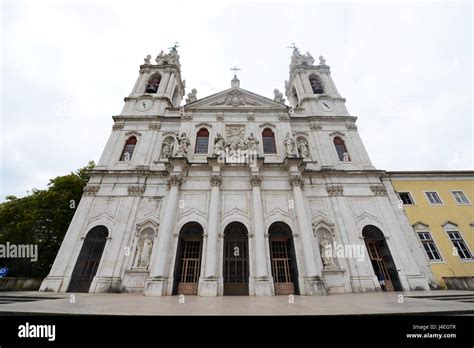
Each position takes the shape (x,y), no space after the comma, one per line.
(303,149)
(142,258)
(184,143)
(278,96)
(192,97)
(252,143)
(219,145)
(327,253)
(167,149)
(289,143)
(146,253)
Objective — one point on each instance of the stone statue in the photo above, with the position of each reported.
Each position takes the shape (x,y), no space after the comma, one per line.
(322,61)
(290,148)
(147,59)
(242,145)
(233,148)
(303,149)
(327,254)
(138,255)
(183,142)
(144,260)
(192,96)
(252,143)
(167,149)
(219,145)
(278,96)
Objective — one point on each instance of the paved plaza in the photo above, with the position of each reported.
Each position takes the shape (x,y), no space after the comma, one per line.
(426,302)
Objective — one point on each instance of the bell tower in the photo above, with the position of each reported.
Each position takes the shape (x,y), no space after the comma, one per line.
(158,86)
(310,87)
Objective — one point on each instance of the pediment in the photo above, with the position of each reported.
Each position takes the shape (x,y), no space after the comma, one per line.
(235,98)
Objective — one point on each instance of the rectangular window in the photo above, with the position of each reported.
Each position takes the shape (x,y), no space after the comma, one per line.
(429,246)
(460,245)
(406,198)
(433,197)
(460,197)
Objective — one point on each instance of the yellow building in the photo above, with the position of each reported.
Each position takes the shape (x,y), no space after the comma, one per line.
(440,207)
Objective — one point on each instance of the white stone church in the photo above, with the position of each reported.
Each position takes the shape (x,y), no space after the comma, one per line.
(237,194)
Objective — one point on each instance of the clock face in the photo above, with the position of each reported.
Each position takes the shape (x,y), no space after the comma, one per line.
(326,105)
(143,104)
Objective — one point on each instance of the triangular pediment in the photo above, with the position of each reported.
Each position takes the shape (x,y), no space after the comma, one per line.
(236,98)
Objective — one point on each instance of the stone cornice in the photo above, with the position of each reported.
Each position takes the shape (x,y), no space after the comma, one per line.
(432,174)
(144,118)
(127,172)
(341,118)
(335,190)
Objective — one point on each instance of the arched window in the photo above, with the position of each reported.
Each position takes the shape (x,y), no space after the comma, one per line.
(341,149)
(316,84)
(202,141)
(153,83)
(128,149)
(268,138)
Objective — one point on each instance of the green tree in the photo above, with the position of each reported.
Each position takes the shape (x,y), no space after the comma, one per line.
(42,219)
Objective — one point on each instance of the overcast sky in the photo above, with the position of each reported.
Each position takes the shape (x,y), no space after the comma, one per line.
(404,68)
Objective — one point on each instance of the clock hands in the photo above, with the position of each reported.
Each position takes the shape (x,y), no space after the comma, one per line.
(326,105)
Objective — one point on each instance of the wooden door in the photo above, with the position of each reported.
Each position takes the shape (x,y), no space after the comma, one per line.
(282,265)
(378,263)
(190,265)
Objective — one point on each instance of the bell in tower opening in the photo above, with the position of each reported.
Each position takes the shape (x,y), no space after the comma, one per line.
(153,84)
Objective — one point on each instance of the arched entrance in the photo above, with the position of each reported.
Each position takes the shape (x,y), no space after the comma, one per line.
(236,260)
(283,259)
(88,260)
(381,259)
(188,259)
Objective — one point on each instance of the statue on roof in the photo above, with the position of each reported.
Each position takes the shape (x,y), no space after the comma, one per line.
(192,96)
(278,96)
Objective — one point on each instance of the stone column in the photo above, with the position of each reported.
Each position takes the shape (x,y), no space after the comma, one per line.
(208,285)
(157,281)
(313,283)
(263,280)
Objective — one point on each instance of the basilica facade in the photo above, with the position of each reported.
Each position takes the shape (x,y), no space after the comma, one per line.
(237,194)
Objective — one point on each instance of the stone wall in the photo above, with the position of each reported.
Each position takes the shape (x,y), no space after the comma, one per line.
(20,284)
